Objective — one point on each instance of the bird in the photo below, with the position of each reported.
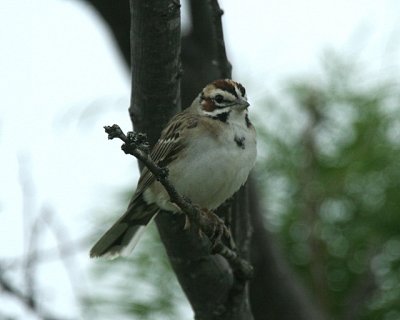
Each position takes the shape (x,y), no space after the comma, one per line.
(208,149)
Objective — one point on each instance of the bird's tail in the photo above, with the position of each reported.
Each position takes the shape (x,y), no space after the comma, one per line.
(123,236)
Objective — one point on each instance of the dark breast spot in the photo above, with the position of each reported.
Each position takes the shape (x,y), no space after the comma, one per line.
(240,142)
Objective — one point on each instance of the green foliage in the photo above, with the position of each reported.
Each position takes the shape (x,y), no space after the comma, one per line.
(331,174)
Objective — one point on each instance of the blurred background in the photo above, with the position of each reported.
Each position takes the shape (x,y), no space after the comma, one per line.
(322,79)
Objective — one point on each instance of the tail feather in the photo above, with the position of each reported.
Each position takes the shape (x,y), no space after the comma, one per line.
(123,236)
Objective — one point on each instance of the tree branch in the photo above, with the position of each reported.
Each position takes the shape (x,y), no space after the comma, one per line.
(221,60)
(204,222)
(25,299)
(198,52)
(117,18)
(275,292)
(156,70)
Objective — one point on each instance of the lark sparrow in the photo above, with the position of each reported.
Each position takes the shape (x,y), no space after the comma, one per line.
(209,150)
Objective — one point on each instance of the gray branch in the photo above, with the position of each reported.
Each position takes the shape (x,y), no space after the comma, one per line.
(204,222)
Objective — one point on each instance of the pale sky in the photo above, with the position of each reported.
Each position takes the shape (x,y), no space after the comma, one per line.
(61,80)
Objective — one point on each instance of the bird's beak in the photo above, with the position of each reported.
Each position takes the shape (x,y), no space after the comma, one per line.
(241,105)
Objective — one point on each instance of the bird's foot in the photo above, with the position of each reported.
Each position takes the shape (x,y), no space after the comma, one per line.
(213,227)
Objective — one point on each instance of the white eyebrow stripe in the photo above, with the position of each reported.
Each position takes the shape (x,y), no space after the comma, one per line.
(217,111)
(239,94)
(225,94)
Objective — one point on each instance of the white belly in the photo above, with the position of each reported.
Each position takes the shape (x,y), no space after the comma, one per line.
(212,172)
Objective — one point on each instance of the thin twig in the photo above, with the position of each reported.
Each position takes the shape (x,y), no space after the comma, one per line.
(13,291)
(30,264)
(9,288)
(30,227)
(47,255)
(135,144)
(59,230)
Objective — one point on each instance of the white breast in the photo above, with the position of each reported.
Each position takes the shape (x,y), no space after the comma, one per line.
(211,170)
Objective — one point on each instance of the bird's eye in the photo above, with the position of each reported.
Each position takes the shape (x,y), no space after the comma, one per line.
(218,98)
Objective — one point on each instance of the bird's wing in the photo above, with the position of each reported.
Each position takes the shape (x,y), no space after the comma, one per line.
(168,147)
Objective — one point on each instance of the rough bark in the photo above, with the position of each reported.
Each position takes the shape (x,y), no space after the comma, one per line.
(155,61)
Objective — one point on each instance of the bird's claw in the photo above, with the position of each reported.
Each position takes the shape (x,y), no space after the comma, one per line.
(214,227)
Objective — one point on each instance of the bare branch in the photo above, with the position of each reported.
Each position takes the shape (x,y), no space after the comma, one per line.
(60,233)
(26,265)
(69,248)
(275,291)
(135,144)
(23,298)
(222,62)
(117,18)
(9,288)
